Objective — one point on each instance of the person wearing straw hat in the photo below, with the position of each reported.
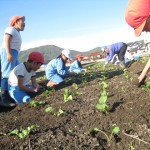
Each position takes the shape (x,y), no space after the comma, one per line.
(9,55)
(56,69)
(137,15)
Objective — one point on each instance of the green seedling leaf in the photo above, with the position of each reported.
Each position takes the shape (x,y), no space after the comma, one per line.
(102,99)
(15,131)
(26,132)
(75,86)
(34,103)
(115,129)
(60,112)
(49,109)
(21,135)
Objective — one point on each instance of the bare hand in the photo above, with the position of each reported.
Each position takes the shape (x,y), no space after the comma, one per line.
(9,57)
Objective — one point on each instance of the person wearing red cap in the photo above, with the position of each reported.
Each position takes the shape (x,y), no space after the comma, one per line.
(9,55)
(137,15)
(76,66)
(18,81)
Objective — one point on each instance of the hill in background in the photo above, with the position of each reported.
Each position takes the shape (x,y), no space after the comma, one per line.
(51,51)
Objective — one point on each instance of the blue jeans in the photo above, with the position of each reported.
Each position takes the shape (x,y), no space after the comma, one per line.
(21,96)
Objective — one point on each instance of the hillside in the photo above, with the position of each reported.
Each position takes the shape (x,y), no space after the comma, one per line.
(51,51)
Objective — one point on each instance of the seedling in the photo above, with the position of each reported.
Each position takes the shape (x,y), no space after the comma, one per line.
(60,112)
(48,91)
(67,96)
(34,103)
(125,73)
(103,74)
(147,86)
(23,133)
(115,130)
(49,109)
(102,102)
(75,86)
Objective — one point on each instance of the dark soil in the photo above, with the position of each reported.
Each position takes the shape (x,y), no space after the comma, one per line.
(129,109)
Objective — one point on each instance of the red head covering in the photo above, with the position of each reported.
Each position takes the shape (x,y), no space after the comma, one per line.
(15,18)
(137,14)
(37,57)
(79,56)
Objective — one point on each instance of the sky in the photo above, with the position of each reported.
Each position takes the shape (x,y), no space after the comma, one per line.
(79,25)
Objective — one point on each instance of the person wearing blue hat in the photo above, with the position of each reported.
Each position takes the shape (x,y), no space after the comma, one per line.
(118,49)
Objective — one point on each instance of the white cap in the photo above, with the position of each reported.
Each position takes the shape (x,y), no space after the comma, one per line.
(66,52)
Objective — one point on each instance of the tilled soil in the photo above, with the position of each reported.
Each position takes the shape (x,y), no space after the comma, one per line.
(129,109)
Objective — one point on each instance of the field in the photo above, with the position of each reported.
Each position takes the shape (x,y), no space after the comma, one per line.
(67,117)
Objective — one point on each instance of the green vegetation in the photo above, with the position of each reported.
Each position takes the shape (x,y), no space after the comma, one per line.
(102,102)
(24,132)
(115,130)
(34,103)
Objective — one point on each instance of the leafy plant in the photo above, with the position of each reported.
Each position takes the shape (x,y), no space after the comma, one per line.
(48,91)
(60,112)
(115,130)
(34,103)
(103,74)
(67,96)
(125,73)
(75,86)
(24,132)
(147,86)
(49,109)
(102,102)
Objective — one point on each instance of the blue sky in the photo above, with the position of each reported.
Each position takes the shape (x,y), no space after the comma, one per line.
(74,24)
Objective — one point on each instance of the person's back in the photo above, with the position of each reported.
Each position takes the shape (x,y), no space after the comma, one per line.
(115,47)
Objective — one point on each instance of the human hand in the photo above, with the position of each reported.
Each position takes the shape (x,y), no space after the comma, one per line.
(9,57)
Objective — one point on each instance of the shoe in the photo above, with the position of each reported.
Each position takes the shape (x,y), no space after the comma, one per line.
(7,103)
(6,100)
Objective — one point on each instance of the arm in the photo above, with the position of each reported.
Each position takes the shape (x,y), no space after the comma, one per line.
(23,87)
(7,39)
(61,69)
(144,72)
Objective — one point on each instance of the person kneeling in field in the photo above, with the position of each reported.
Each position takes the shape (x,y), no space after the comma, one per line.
(56,69)
(18,81)
(76,66)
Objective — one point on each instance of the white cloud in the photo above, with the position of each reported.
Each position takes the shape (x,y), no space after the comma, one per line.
(85,43)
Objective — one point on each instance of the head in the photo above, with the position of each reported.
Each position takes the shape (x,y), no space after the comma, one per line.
(79,57)
(137,16)
(18,22)
(105,49)
(65,54)
(36,59)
